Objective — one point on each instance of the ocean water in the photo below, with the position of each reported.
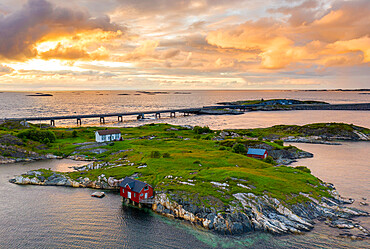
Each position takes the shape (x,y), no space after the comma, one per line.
(18,104)
(60,217)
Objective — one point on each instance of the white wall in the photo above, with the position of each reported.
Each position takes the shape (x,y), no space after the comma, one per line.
(106,138)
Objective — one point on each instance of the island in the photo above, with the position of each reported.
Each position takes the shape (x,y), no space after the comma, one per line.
(288,104)
(199,175)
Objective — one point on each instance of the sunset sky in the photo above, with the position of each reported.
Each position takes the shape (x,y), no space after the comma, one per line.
(179,44)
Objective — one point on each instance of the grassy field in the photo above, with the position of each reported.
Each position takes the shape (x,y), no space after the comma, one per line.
(179,160)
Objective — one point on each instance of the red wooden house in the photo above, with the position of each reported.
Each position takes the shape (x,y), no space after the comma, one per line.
(135,190)
(257,153)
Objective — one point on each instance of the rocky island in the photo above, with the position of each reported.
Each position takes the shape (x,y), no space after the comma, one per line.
(199,175)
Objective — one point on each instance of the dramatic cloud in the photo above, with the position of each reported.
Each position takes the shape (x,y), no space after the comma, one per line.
(37,19)
(339,37)
(5,70)
(187,43)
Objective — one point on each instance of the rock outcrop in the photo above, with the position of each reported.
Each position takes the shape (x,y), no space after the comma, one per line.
(263,213)
(38,178)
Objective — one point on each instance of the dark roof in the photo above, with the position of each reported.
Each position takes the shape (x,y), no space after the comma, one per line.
(108,132)
(259,152)
(135,185)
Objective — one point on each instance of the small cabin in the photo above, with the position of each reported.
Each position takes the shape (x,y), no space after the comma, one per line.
(135,190)
(257,153)
(107,135)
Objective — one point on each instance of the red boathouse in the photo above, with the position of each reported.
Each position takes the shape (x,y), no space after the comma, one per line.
(135,190)
(257,153)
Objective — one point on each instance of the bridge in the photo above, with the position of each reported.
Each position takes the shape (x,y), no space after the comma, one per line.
(188,111)
(78,118)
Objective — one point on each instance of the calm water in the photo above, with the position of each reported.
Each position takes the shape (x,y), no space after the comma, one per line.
(58,217)
(17,104)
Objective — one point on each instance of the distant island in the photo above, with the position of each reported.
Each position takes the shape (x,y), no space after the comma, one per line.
(199,175)
(40,95)
(288,104)
(338,90)
(273,102)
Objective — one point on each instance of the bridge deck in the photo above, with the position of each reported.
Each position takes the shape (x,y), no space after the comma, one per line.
(349,106)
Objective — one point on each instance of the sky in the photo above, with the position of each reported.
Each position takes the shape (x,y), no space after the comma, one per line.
(180,44)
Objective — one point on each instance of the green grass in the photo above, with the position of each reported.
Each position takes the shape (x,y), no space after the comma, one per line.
(216,165)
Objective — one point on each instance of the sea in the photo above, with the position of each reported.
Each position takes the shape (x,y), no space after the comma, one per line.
(61,217)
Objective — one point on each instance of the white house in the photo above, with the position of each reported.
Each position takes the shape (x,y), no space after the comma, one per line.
(107,135)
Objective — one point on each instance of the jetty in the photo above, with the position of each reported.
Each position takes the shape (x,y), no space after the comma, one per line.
(200,110)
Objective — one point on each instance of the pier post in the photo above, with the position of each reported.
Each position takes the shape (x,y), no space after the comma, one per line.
(79,121)
(120,119)
(102,120)
(172,114)
(52,122)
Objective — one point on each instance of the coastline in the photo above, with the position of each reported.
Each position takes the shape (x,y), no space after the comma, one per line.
(256,213)
(240,208)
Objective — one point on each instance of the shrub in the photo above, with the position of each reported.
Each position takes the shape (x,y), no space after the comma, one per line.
(239,148)
(155,154)
(270,160)
(201,130)
(166,155)
(279,142)
(196,162)
(37,135)
(304,169)
(74,133)
(209,137)
(111,144)
(222,148)
(46,141)
(197,137)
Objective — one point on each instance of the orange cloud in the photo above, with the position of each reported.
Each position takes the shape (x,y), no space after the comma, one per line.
(340,37)
(5,70)
(22,30)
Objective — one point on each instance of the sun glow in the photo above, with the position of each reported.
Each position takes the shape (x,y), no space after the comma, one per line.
(43,65)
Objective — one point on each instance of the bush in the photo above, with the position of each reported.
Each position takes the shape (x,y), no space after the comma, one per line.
(155,154)
(197,137)
(166,155)
(239,148)
(222,148)
(37,135)
(202,130)
(279,142)
(46,141)
(270,160)
(209,137)
(196,162)
(74,133)
(304,169)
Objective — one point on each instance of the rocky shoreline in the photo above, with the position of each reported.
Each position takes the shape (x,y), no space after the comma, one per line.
(248,213)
